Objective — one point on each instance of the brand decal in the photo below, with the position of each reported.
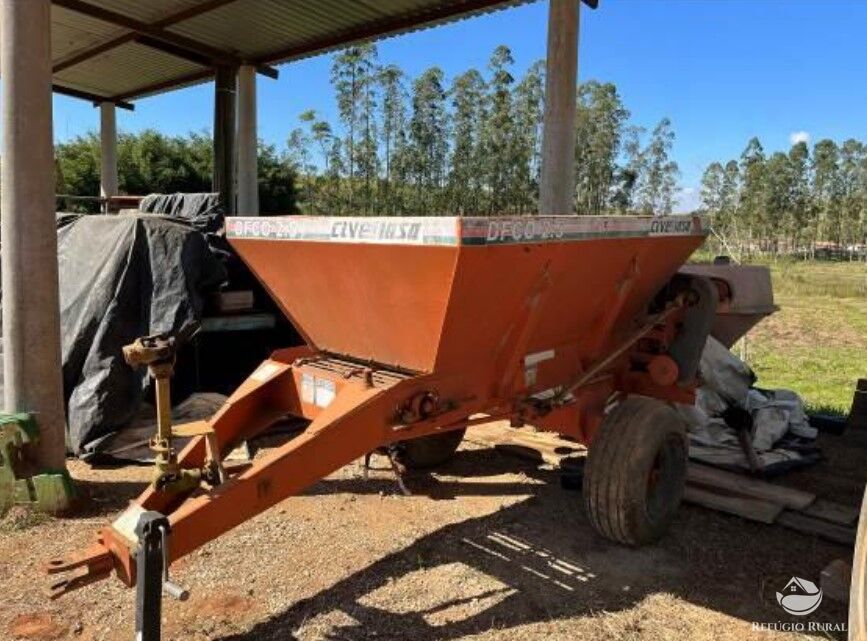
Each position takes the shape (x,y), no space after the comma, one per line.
(453,230)
(380,230)
(524,229)
(671,226)
(361,229)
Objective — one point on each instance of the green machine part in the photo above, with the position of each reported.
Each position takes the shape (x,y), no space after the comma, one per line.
(49,490)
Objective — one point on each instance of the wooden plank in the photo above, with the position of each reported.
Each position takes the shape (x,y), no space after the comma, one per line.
(833,512)
(746,486)
(749,498)
(538,447)
(858,411)
(817,527)
(500,432)
(745,507)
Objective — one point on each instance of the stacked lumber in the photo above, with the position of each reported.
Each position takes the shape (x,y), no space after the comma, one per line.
(710,487)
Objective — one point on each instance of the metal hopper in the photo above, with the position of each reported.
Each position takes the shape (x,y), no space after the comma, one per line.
(441,294)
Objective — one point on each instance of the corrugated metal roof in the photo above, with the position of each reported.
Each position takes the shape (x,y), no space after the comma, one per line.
(121,70)
(124,49)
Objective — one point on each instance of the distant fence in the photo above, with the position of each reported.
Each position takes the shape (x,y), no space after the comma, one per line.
(95,204)
(823,251)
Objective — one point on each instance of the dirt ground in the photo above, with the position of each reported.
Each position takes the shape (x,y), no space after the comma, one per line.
(489,547)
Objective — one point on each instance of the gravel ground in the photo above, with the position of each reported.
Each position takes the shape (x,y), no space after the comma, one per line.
(489,547)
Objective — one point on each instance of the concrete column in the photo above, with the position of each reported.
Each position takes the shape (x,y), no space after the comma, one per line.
(108,149)
(557,181)
(225,95)
(248,178)
(31,309)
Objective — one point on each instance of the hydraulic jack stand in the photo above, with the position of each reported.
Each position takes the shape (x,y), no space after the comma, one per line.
(152,577)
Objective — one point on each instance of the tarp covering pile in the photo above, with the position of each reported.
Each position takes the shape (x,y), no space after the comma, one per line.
(780,431)
(122,277)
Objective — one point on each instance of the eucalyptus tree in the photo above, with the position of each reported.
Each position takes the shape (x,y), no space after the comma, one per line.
(528,100)
(802,210)
(368,148)
(499,130)
(827,190)
(629,170)
(428,135)
(775,220)
(658,180)
(393,119)
(335,169)
(600,120)
(300,158)
(351,73)
(465,187)
(729,200)
(751,197)
(853,182)
(712,181)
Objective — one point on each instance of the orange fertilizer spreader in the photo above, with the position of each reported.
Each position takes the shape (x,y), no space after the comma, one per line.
(416,328)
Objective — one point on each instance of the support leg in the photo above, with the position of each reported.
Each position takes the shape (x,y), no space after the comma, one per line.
(149,576)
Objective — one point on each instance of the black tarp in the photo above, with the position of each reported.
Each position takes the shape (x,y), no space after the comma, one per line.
(121,277)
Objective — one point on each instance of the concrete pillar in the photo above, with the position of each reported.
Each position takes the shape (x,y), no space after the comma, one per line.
(108,149)
(557,181)
(31,309)
(248,178)
(224,135)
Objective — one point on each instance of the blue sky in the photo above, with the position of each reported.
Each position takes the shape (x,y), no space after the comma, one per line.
(722,70)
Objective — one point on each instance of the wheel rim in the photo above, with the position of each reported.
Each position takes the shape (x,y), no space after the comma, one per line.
(665,479)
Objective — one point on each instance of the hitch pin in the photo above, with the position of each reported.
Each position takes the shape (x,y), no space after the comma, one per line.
(170,587)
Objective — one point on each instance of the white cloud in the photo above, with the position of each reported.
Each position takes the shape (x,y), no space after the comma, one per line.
(688,199)
(799,136)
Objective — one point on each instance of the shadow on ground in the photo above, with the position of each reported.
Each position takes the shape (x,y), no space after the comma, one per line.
(542,562)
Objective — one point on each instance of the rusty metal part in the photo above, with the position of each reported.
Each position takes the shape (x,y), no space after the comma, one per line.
(80,568)
(419,407)
(398,469)
(159,353)
(600,366)
(663,370)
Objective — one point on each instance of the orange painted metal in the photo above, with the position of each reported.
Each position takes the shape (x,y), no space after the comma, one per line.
(431,305)
(415,325)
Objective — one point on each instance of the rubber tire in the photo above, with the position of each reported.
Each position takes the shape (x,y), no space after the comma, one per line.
(429,451)
(635,437)
(858,591)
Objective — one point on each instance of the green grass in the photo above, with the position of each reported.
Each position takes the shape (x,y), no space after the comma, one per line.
(817,343)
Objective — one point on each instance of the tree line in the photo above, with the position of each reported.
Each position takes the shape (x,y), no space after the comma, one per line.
(425,145)
(415,146)
(151,162)
(792,202)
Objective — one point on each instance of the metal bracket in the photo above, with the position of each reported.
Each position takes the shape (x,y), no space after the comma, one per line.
(81,568)
(50,490)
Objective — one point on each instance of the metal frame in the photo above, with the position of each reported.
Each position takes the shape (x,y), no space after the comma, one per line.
(156,35)
(368,407)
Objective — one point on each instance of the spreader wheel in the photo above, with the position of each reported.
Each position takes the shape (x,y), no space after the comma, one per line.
(428,451)
(858,593)
(635,471)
